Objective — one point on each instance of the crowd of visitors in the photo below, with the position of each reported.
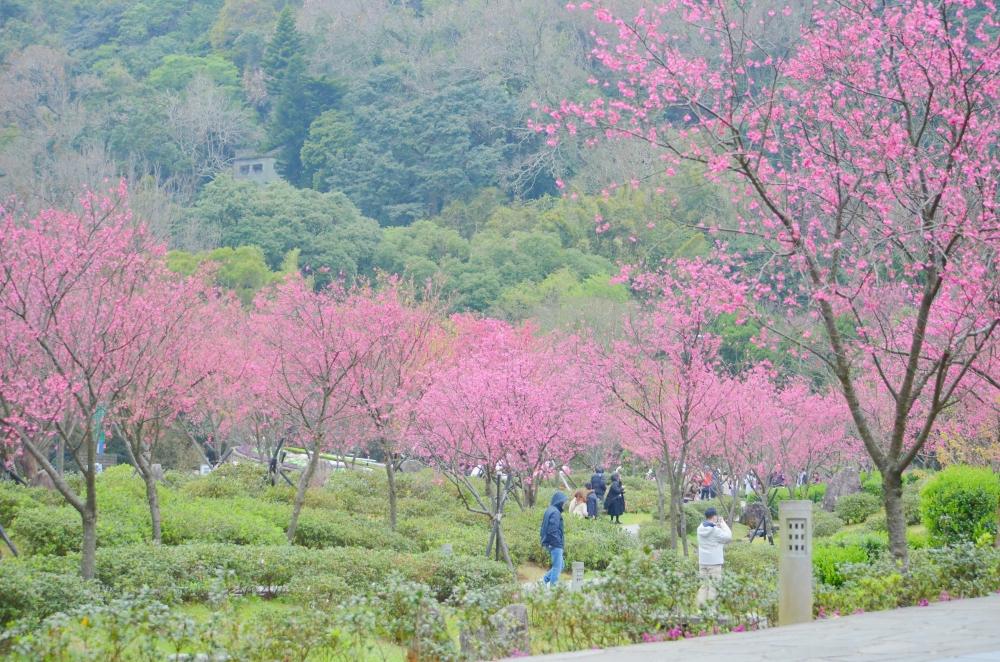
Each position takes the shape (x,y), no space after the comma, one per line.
(713,533)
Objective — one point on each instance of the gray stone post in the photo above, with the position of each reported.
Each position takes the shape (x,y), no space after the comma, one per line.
(795,583)
(577,582)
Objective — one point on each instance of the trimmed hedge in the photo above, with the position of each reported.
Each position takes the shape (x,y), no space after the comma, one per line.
(324,528)
(188,572)
(30,593)
(960,503)
(211,520)
(45,530)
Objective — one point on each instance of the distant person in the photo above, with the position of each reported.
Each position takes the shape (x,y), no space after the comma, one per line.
(713,535)
(615,503)
(706,486)
(578,506)
(552,537)
(591,502)
(600,487)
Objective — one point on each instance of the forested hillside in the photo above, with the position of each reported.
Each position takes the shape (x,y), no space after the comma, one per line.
(399,131)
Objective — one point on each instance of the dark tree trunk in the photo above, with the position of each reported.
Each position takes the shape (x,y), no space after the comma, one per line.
(661,508)
(153,497)
(892,487)
(300,493)
(390,471)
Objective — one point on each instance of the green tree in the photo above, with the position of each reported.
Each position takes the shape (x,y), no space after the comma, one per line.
(284,53)
(331,235)
(176,71)
(242,269)
(403,154)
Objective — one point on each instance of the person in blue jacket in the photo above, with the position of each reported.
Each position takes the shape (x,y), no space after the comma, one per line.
(591,502)
(552,537)
(597,482)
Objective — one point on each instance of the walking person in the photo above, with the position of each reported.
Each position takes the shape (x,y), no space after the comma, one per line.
(615,503)
(552,537)
(713,535)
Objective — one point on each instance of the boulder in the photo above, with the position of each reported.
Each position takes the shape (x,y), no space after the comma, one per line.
(411,466)
(845,481)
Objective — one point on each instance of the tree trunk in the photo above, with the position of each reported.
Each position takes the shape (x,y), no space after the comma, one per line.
(390,470)
(660,494)
(682,524)
(892,488)
(153,497)
(300,493)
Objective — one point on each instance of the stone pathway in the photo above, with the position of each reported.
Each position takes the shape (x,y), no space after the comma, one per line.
(957,631)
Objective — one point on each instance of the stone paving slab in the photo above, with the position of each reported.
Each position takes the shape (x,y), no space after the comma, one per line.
(956,631)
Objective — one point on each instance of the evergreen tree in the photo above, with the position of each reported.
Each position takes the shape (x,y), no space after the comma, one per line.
(282,51)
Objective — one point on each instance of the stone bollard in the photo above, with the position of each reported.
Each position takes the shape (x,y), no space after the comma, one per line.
(795,579)
(446,549)
(157,470)
(577,582)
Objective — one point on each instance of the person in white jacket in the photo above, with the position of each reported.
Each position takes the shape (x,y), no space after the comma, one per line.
(713,535)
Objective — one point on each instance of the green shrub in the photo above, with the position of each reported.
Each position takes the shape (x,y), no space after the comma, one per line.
(211,520)
(51,531)
(877,522)
(825,524)
(642,495)
(13,499)
(827,560)
(319,589)
(692,517)
(911,503)
(29,593)
(856,508)
(959,504)
(816,492)
(188,572)
(874,544)
(751,559)
(871,483)
(58,531)
(596,543)
(323,528)
(654,536)
(229,480)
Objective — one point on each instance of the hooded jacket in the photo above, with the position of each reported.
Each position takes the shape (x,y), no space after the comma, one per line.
(597,482)
(712,537)
(552,523)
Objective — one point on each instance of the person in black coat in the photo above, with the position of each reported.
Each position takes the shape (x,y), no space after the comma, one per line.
(598,485)
(615,503)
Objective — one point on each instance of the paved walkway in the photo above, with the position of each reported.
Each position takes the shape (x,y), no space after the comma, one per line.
(961,630)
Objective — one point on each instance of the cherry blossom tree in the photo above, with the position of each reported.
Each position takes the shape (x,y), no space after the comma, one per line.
(392,374)
(177,326)
(863,152)
(771,431)
(662,374)
(309,342)
(510,403)
(70,284)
